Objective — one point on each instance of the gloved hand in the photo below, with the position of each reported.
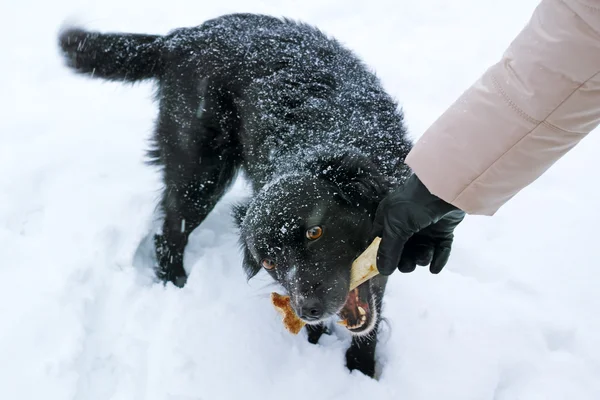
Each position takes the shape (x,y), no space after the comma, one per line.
(416,228)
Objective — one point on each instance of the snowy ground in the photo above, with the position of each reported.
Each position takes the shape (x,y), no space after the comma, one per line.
(514,315)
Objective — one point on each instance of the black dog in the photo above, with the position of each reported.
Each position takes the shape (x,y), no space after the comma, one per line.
(311,128)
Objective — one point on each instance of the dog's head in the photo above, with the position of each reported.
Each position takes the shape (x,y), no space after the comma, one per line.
(305,229)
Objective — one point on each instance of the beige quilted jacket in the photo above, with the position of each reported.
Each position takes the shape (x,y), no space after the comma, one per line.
(524,113)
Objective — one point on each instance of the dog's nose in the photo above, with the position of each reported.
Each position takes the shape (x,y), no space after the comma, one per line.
(311,309)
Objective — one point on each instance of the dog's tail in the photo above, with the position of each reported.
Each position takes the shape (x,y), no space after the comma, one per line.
(113,56)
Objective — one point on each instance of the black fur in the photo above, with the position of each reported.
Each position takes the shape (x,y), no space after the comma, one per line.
(310,126)
(117,57)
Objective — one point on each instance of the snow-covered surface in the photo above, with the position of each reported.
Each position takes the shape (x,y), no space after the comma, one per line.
(514,315)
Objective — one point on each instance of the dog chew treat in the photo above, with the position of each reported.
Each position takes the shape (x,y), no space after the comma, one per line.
(363,269)
(291,321)
(365,265)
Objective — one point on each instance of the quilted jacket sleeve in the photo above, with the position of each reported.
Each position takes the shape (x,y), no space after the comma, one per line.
(525,112)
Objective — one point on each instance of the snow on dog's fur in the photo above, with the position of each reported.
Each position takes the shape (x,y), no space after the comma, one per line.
(317,136)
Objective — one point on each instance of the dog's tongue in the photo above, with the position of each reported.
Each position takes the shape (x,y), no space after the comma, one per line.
(355,312)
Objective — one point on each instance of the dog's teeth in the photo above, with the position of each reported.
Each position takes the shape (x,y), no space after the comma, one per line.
(343,322)
(362,311)
(360,324)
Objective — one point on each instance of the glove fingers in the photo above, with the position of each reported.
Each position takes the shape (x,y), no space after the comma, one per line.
(376,230)
(423,255)
(407,263)
(440,258)
(415,253)
(388,254)
(392,243)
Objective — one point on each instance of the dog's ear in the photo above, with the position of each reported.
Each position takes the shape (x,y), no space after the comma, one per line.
(251,267)
(358,179)
(238,213)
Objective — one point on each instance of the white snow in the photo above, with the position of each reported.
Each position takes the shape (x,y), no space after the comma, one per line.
(514,315)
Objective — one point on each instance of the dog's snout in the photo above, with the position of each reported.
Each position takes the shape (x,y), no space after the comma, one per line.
(311,309)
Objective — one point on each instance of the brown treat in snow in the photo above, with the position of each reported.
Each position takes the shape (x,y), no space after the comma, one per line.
(290,320)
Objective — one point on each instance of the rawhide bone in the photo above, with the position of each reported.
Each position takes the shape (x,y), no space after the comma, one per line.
(363,269)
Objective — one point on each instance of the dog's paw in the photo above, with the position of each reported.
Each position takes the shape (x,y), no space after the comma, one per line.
(176,276)
(356,359)
(314,332)
(169,266)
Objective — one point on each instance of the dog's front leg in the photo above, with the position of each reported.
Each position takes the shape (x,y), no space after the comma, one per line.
(197,173)
(181,218)
(361,354)
(186,205)
(199,152)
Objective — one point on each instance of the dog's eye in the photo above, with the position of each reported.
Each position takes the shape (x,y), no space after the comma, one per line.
(267,263)
(314,233)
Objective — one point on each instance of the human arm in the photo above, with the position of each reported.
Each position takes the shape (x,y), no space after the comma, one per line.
(521,116)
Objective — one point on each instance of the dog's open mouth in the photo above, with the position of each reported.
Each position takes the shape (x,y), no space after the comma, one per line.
(357,314)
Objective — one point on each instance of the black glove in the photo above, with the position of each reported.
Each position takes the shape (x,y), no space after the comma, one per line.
(416,228)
